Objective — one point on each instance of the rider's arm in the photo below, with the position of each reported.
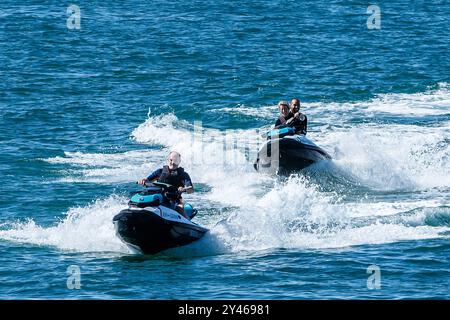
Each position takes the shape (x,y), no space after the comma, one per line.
(154,175)
(188,188)
(288,122)
(305,125)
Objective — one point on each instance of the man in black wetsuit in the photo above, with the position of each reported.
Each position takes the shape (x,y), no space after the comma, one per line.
(174,175)
(283,106)
(297,120)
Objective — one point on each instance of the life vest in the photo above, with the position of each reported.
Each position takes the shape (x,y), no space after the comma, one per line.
(282,119)
(174,177)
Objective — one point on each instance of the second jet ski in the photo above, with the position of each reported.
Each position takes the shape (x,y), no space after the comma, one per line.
(285,152)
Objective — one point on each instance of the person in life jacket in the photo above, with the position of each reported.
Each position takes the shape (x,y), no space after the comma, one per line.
(174,175)
(297,120)
(283,106)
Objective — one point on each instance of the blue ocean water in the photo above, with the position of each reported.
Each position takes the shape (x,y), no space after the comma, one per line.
(86,112)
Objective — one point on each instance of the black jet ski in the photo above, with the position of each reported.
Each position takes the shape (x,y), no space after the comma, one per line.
(285,152)
(150,225)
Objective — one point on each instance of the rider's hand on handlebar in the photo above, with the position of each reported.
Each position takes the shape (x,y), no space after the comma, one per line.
(181,190)
(142,182)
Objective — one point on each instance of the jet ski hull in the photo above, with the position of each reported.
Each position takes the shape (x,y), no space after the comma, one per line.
(152,230)
(289,154)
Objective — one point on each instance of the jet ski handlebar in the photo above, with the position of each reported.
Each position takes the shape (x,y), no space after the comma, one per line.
(169,191)
(149,184)
(162,185)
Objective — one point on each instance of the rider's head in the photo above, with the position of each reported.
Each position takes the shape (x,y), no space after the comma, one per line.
(295,105)
(283,106)
(173,160)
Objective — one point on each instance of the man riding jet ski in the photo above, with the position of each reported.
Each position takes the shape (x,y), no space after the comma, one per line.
(157,218)
(287,149)
(175,176)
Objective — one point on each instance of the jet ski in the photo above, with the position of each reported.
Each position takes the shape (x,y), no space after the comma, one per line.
(151,225)
(285,152)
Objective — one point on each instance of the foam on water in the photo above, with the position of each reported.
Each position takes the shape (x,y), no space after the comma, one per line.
(106,167)
(292,215)
(311,220)
(417,158)
(264,112)
(220,159)
(83,229)
(259,212)
(434,101)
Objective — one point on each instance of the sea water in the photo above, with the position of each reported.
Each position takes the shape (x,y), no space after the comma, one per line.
(91,105)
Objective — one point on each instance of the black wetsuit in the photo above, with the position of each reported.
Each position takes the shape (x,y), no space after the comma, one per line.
(282,120)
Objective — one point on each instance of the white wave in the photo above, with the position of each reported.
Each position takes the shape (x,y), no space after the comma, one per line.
(84,229)
(258,238)
(290,215)
(211,156)
(263,112)
(430,102)
(367,151)
(107,167)
(393,157)
(293,215)
(262,213)
(100,159)
(434,101)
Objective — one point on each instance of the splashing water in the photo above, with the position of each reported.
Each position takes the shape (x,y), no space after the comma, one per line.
(250,211)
